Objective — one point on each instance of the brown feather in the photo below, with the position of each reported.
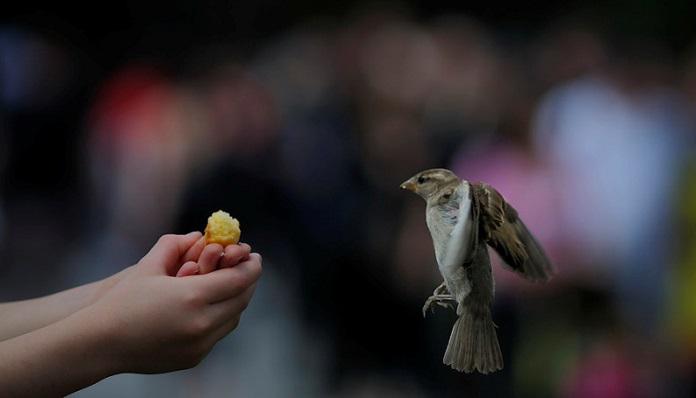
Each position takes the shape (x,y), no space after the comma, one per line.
(505,232)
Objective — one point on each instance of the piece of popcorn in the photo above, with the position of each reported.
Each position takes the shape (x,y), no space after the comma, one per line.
(222,228)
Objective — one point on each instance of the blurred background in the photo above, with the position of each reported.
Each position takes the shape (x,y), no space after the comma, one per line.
(122,121)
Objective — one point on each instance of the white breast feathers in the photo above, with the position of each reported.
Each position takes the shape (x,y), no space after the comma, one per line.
(457,247)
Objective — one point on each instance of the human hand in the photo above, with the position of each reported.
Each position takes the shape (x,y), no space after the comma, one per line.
(158,323)
(199,259)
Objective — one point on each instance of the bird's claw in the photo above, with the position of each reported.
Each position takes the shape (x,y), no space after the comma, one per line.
(427,306)
(444,303)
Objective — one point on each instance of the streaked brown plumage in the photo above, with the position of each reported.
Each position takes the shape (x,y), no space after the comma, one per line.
(463,218)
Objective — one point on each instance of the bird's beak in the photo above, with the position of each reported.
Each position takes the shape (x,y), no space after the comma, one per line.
(409,185)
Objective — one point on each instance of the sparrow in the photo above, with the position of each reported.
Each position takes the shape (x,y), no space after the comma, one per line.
(464,218)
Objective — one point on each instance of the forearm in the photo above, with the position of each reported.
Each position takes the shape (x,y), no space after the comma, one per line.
(58,359)
(24,316)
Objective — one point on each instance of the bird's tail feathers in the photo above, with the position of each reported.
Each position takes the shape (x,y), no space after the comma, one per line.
(473,344)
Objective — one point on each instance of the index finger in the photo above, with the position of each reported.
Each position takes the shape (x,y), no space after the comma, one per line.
(166,254)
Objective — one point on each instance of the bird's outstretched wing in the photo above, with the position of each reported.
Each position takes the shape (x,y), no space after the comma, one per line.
(504,231)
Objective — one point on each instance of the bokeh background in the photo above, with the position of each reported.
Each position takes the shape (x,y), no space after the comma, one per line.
(122,121)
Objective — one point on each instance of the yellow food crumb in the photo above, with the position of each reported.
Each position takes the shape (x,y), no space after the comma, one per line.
(222,228)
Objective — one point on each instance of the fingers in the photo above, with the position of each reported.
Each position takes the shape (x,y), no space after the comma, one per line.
(223,311)
(189,268)
(213,256)
(234,254)
(210,256)
(194,252)
(226,283)
(166,254)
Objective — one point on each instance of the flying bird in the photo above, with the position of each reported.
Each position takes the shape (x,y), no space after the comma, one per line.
(463,218)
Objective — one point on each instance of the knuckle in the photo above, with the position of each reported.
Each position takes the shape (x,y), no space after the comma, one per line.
(166,239)
(194,298)
(199,327)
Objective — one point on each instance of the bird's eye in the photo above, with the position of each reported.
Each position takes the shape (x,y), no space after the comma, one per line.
(422,179)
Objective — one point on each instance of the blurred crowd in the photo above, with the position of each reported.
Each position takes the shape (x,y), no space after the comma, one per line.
(306,139)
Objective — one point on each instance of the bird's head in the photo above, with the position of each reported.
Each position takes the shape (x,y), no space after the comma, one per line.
(428,182)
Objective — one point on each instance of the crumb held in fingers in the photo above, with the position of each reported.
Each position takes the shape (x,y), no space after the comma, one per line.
(222,229)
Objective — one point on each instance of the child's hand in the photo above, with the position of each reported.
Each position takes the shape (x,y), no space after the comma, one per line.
(158,323)
(202,258)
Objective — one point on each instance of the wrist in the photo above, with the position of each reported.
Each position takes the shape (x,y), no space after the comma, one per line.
(101,341)
(104,285)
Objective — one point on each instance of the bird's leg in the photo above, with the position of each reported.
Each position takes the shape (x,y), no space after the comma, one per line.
(440,297)
(442,289)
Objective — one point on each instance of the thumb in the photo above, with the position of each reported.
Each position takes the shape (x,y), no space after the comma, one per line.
(166,255)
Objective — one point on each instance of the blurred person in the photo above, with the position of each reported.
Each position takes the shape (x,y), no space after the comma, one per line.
(140,320)
(243,116)
(570,49)
(298,69)
(317,128)
(398,63)
(244,171)
(136,151)
(350,44)
(469,89)
(43,80)
(391,76)
(617,131)
(614,140)
(506,159)
(332,123)
(393,144)
(357,132)
(139,153)
(38,77)
(241,136)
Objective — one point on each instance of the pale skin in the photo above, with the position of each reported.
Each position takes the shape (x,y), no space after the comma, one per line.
(143,319)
